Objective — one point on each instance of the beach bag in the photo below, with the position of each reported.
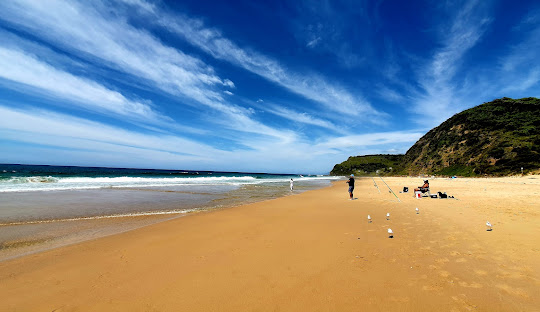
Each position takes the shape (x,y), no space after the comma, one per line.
(405,189)
(442,195)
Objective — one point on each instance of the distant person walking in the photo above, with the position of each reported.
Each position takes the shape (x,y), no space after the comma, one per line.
(351,186)
(292,182)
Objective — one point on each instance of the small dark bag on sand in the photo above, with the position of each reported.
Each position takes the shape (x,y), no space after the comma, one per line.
(405,189)
(442,195)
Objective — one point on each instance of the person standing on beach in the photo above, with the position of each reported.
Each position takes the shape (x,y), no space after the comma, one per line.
(351,186)
(292,182)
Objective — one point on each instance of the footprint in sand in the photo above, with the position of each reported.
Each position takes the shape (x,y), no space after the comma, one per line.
(464,302)
(434,287)
(511,274)
(480,272)
(513,291)
(444,273)
(451,237)
(461,260)
(522,269)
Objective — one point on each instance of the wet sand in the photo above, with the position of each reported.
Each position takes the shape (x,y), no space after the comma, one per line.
(32,222)
(313,251)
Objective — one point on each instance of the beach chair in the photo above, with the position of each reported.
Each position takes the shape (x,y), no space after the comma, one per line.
(425,191)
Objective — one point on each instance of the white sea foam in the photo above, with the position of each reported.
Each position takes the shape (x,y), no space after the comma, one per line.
(157,181)
(26,184)
(48,183)
(37,179)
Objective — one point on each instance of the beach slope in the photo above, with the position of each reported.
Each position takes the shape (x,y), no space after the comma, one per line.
(313,251)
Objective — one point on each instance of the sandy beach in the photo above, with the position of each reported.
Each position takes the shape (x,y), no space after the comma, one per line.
(313,251)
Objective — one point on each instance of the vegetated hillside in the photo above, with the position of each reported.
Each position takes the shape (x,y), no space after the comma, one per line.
(368,165)
(495,138)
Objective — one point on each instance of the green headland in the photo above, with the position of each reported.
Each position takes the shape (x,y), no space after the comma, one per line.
(497,138)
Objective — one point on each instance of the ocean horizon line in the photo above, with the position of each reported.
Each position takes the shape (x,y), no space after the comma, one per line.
(161,169)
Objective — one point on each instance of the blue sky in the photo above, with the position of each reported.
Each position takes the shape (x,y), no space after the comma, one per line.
(258,86)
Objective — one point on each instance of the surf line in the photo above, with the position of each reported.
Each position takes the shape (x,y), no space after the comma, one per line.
(136,214)
(374,183)
(390,190)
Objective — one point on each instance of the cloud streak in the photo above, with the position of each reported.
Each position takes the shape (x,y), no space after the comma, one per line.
(437,78)
(521,67)
(135,52)
(371,139)
(300,117)
(60,130)
(26,69)
(311,86)
(89,139)
(117,43)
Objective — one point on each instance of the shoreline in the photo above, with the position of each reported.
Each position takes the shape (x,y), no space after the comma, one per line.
(22,238)
(312,251)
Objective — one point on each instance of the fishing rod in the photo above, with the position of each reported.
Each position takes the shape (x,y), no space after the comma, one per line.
(390,190)
(375,184)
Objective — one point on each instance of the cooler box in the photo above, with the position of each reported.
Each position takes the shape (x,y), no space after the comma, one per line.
(418,194)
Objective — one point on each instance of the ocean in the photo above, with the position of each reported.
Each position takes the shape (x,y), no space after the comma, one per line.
(43,207)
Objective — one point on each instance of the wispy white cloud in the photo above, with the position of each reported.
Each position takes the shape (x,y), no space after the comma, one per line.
(101,144)
(524,81)
(531,19)
(465,29)
(521,67)
(68,131)
(370,139)
(228,83)
(300,117)
(304,156)
(312,43)
(116,43)
(310,85)
(26,69)
(389,94)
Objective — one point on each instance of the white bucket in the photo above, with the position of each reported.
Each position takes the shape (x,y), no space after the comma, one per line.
(418,194)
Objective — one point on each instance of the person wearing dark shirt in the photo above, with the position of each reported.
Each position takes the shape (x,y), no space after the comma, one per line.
(351,186)
(423,188)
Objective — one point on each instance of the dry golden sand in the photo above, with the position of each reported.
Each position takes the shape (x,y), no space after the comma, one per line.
(310,252)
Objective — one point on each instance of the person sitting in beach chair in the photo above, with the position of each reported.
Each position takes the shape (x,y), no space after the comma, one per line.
(424,188)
